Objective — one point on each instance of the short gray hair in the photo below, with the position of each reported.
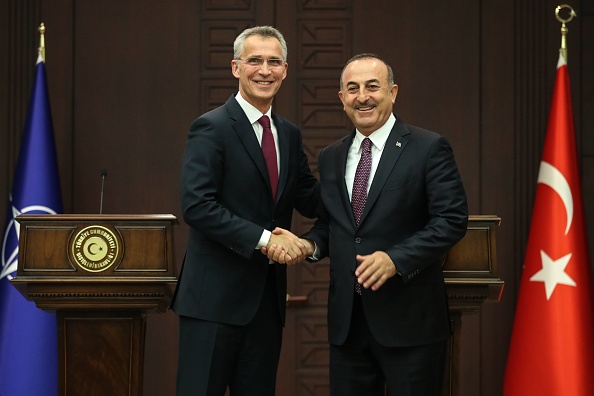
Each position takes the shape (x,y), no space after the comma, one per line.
(263,31)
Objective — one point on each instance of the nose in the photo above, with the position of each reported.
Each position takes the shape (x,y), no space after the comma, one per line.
(265,68)
(362,95)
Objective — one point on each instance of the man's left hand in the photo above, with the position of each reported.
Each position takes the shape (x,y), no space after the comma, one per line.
(374,270)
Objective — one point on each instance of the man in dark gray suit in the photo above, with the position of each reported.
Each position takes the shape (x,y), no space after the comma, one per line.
(394,205)
(242,176)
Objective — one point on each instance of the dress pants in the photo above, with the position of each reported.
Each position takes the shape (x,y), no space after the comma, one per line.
(362,366)
(214,356)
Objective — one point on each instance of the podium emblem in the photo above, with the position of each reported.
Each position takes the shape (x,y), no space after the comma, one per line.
(95,248)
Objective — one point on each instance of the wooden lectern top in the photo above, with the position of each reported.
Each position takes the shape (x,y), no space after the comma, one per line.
(71,261)
(470,267)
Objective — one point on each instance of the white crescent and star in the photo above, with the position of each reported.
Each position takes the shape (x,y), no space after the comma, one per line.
(553,272)
(553,178)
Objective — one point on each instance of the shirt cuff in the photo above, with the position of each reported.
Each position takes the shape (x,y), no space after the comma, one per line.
(316,254)
(263,239)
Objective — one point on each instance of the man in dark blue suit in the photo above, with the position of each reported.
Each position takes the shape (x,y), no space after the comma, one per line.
(394,204)
(231,298)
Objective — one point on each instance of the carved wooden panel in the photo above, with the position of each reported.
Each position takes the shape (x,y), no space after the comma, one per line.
(487,86)
(217,43)
(227,5)
(323,44)
(215,92)
(321,37)
(320,110)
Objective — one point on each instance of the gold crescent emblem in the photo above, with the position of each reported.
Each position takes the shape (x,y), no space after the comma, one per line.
(95,248)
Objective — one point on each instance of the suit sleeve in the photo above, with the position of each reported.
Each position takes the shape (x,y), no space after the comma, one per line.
(320,232)
(308,192)
(447,214)
(205,206)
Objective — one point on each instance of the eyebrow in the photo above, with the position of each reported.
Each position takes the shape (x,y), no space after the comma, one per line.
(263,57)
(374,80)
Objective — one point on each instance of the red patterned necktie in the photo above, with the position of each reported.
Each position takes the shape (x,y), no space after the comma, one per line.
(269,151)
(359,194)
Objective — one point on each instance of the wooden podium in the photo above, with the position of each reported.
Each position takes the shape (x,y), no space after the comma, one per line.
(101,274)
(470,272)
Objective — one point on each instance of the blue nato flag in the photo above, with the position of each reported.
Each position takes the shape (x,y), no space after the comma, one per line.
(28,335)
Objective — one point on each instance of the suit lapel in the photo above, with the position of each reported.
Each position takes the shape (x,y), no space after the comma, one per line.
(342,153)
(283,146)
(245,132)
(395,145)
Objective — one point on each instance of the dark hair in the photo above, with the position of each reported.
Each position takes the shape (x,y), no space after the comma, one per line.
(369,56)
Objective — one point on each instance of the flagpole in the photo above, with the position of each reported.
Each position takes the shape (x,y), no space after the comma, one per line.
(28,335)
(41,52)
(550,351)
(564,29)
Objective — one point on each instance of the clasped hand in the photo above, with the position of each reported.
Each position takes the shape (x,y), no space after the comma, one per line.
(286,248)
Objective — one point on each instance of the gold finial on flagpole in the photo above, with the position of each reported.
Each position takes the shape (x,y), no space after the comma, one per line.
(564,29)
(42,41)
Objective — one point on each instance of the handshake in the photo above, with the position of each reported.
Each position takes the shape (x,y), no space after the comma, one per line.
(286,248)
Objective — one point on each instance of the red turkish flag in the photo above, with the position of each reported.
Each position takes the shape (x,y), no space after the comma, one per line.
(552,344)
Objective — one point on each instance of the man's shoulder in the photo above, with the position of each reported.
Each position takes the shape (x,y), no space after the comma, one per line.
(414,131)
(336,148)
(228,110)
(340,142)
(283,123)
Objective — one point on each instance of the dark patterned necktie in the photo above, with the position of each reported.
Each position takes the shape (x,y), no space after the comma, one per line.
(359,194)
(269,151)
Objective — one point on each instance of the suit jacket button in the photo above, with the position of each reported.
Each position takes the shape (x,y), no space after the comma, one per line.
(357,240)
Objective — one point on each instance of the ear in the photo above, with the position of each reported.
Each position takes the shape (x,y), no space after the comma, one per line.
(342,99)
(235,68)
(394,92)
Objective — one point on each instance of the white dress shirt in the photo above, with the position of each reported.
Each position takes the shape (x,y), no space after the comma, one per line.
(253,116)
(378,139)
(378,142)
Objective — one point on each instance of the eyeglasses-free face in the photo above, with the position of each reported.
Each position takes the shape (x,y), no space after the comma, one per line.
(367,96)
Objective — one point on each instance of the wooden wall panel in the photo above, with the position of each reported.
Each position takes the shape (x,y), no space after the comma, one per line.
(127,78)
(436,62)
(319,35)
(582,85)
(58,17)
(446,57)
(17,67)
(497,182)
(135,91)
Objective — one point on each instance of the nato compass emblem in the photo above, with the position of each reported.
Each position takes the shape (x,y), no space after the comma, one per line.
(10,242)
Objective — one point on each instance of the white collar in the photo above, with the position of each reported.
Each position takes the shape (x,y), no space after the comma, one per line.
(252,113)
(377,137)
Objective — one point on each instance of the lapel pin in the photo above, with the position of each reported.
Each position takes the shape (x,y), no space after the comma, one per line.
(398,144)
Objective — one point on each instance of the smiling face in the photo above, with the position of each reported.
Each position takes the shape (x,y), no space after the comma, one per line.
(366,94)
(259,84)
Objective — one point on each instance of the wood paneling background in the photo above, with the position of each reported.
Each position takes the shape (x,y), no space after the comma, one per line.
(126,78)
